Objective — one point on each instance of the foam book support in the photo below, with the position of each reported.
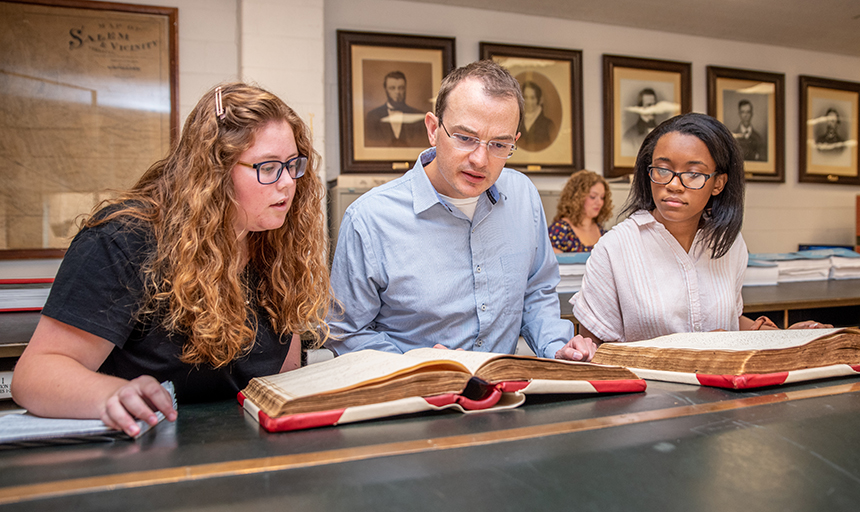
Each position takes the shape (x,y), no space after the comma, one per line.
(740,359)
(369,384)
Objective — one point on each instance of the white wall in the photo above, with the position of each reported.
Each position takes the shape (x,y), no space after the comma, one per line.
(778,216)
(289,46)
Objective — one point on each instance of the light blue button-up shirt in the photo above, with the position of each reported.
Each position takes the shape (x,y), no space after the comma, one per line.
(412,271)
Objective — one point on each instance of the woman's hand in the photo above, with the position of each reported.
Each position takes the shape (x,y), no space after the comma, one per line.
(138,399)
(57,377)
(810,324)
(763,323)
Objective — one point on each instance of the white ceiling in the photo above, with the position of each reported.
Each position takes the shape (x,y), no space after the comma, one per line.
(831,26)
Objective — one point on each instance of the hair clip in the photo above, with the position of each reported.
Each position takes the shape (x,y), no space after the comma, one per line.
(219,106)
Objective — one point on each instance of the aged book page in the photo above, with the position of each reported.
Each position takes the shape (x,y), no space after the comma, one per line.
(735,353)
(502,367)
(736,340)
(349,371)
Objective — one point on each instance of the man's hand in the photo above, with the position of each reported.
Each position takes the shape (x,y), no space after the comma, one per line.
(577,349)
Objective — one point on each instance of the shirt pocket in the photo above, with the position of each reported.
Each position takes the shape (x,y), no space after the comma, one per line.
(515,276)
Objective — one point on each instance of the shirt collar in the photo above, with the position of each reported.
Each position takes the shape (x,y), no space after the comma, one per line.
(425,195)
(643,217)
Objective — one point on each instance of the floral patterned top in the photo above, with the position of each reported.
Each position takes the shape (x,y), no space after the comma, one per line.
(563,238)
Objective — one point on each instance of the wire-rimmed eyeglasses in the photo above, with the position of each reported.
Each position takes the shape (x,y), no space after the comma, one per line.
(468,143)
(269,172)
(690,179)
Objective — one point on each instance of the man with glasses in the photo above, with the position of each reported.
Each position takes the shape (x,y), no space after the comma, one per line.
(455,252)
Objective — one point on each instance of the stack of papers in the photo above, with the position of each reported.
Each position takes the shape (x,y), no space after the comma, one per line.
(571,267)
(813,265)
(842,267)
(761,273)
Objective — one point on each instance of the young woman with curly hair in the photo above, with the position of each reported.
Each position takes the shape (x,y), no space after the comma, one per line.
(584,205)
(204,273)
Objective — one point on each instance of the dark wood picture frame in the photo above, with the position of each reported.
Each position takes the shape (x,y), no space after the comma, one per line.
(626,81)
(96,84)
(365,60)
(829,122)
(554,76)
(761,95)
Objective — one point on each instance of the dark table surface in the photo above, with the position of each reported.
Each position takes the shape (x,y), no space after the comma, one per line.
(673,447)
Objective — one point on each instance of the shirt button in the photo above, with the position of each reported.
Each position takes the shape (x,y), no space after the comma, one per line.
(483,307)
(478,270)
(479,343)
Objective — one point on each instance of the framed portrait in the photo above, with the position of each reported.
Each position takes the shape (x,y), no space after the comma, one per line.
(387,84)
(638,94)
(89,95)
(752,105)
(551,135)
(829,122)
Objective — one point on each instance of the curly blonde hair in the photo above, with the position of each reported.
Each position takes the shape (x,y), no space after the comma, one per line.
(573,196)
(194,278)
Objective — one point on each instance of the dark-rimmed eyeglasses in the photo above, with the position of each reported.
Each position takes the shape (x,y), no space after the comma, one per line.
(269,172)
(468,143)
(690,179)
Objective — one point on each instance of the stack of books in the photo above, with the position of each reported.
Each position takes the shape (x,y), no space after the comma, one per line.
(571,267)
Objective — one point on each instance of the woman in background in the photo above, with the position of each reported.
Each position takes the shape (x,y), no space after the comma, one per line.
(584,205)
(204,273)
(677,263)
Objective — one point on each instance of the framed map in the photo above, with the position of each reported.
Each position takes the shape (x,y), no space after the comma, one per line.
(88,101)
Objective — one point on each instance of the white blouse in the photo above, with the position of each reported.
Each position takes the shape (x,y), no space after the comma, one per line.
(639,283)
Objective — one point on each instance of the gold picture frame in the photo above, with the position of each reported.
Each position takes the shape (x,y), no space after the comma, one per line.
(90,97)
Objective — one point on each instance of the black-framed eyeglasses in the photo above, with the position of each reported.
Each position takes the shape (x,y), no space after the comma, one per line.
(269,172)
(690,179)
(468,143)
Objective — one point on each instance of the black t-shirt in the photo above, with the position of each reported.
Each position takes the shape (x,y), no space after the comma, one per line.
(99,289)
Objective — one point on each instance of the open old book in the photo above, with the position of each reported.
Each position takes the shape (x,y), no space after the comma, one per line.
(740,359)
(370,384)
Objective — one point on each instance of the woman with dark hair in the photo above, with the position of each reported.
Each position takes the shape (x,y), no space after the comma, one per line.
(677,263)
(204,273)
(584,205)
